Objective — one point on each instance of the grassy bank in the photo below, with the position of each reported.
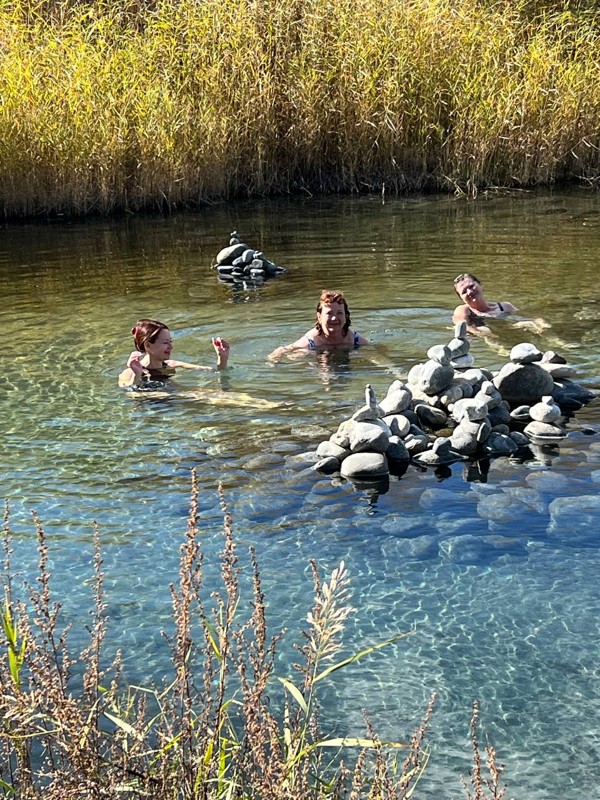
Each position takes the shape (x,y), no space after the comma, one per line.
(71,728)
(109,106)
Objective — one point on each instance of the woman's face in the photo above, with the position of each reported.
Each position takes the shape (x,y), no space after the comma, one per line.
(469,290)
(332,318)
(160,349)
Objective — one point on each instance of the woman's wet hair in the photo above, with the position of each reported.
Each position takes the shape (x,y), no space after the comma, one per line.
(465,276)
(329,296)
(147,330)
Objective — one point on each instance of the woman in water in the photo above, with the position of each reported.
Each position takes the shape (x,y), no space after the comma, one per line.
(332,328)
(151,363)
(476,309)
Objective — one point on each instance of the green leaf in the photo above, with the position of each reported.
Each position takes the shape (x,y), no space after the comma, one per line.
(362,653)
(6,786)
(296,693)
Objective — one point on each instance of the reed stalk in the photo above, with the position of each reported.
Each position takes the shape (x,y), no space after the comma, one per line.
(70,727)
(123,105)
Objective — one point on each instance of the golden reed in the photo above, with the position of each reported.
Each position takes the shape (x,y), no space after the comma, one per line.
(113,105)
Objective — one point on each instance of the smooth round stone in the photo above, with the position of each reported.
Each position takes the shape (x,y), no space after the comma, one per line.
(464,439)
(463,362)
(364,465)
(476,376)
(543,429)
(519,438)
(342,436)
(367,413)
(369,436)
(460,330)
(395,402)
(484,431)
(453,393)
(500,444)
(414,374)
(525,353)
(551,357)
(545,412)
(472,409)
(523,384)
(328,465)
(398,424)
(397,449)
(569,394)
(439,353)
(302,459)
(228,254)
(434,377)
(331,450)
(520,414)
(503,429)
(416,444)
(458,347)
(559,370)
(431,417)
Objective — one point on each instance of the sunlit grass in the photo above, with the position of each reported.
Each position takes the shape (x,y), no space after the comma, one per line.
(110,106)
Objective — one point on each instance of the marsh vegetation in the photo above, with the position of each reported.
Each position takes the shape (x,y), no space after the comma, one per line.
(112,106)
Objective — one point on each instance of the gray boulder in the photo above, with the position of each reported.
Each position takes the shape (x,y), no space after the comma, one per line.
(525,353)
(328,465)
(364,465)
(434,377)
(330,449)
(545,411)
(369,436)
(397,450)
(439,353)
(228,254)
(398,424)
(523,384)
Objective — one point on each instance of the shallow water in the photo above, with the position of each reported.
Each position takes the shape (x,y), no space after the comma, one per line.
(496,566)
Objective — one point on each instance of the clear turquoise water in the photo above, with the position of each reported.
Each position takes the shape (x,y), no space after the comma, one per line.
(498,571)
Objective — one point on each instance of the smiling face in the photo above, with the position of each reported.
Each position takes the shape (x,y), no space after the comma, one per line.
(160,349)
(332,318)
(469,289)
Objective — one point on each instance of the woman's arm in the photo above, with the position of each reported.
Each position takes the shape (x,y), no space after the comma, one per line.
(464,314)
(222,348)
(132,374)
(300,344)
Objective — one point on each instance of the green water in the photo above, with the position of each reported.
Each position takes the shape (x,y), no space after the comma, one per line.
(500,583)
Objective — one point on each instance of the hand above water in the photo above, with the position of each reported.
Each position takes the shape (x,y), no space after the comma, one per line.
(222,348)
(134,363)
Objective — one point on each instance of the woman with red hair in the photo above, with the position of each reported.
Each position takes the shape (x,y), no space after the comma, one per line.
(151,363)
(332,328)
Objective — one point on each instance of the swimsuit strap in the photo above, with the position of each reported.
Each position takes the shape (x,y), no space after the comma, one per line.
(311,345)
(500,307)
(356,339)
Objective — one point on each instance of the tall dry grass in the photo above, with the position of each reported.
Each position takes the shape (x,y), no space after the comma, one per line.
(113,105)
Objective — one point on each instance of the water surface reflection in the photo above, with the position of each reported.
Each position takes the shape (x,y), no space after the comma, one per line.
(496,563)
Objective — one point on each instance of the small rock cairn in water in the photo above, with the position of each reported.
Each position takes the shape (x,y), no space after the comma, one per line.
(240,264)
(449,410)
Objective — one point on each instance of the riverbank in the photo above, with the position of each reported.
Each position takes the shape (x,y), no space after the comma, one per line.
(109,108)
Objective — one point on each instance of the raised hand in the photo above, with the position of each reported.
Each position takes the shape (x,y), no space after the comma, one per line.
(222,348)
(134,363)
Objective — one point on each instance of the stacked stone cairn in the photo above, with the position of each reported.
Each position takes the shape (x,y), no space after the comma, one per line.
(449,410)
(240,264)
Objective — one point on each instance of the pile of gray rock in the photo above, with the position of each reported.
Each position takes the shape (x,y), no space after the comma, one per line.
(449,410)
(240,264)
